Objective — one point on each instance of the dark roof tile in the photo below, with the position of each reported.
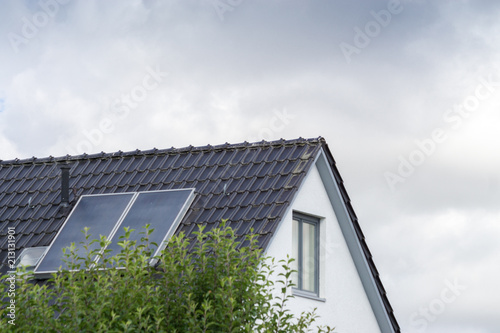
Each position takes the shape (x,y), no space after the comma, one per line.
(208,226)
(31,227)
(180,160)
(13,171)
(126,179)
(13,186)
(3,172)
(264,212)
(257,184)
(23,240)
(53,225)
(4,227)
(4,199)
(206,172)
(49,170)
(18,213)
(35,171)
(284,153)
(3,186)
(201,159)
(42,227)
(186,228)
(49,183)
(35,240)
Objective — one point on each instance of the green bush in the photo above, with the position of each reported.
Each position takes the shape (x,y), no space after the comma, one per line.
(216,286)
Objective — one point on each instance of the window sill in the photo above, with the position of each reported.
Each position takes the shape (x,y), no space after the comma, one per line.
(307,294)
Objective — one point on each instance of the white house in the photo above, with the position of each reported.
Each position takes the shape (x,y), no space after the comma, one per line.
(342,284)
(288,192)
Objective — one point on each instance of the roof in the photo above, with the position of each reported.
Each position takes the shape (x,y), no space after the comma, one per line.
(250,184)
(260,180)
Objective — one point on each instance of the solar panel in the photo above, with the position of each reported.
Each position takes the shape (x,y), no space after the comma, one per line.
(163,210)
(100,213)
(108,214)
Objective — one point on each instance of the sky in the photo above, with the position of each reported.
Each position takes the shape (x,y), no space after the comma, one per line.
(406,94)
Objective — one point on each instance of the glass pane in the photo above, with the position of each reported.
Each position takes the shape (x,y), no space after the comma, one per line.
(99,213)
(295,252)
(159,209)
(30,256)
(308,257)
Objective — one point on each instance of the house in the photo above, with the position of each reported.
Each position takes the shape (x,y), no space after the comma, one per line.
(289,192)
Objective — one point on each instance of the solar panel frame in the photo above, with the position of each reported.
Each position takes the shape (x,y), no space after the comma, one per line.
(46,273)
(180,215)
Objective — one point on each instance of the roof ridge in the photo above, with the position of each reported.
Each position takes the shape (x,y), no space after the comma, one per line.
(155,151)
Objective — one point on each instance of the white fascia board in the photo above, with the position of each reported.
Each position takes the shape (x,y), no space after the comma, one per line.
(353,243)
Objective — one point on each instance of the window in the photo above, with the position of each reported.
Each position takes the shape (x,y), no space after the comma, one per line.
(30,257)
(305,237)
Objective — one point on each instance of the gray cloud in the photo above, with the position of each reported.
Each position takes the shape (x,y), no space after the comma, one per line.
(228,79)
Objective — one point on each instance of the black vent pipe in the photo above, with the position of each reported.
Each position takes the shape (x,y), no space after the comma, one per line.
(65,185)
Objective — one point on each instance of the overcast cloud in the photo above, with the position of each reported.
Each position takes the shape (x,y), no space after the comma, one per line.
(408,103)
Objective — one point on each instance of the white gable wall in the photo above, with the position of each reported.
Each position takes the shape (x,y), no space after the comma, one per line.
(345,304)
